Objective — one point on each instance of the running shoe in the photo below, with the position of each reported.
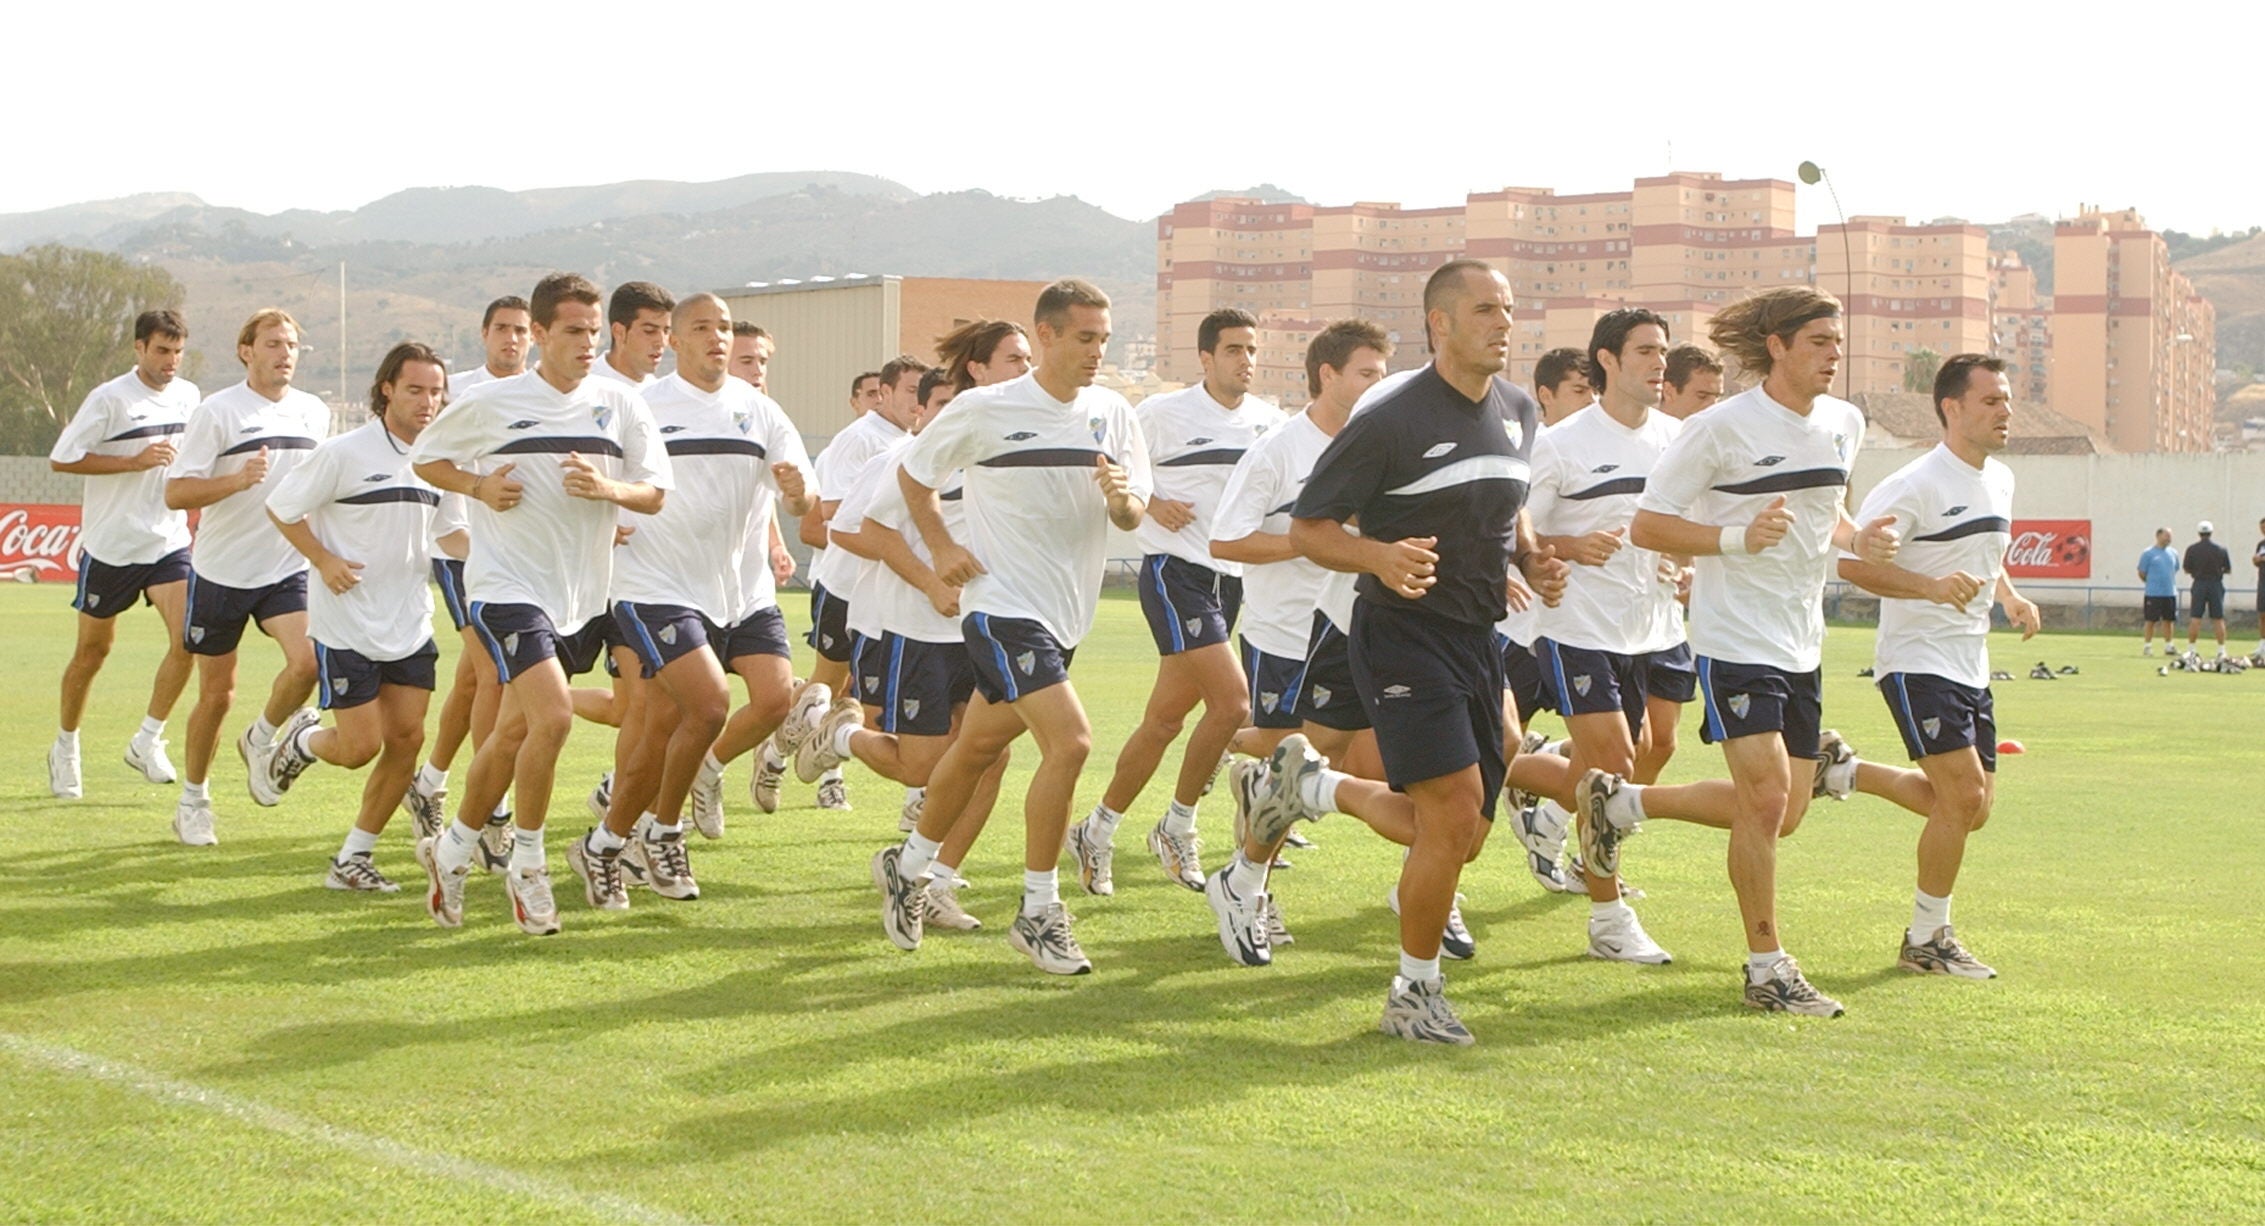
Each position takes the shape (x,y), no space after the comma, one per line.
(1242,920)
(63,779)
(357,872)
(1622,938)
(600,872)
(1180,855)
(531,902)
(1782,988)
(147,755)
(1095,859)
(444,890)
(192,823)
(1047,940)
(1941,954)
(904,910)
(1419,1011)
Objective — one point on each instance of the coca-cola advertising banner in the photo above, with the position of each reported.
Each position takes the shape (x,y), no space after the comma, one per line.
(42,540)
(2050,549)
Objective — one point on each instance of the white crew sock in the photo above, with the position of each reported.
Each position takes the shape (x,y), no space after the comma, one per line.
(831,776)
(1040,889)
(709,766)
(658,831)
(302,742)
(263,731)
(453,849)
(915,796)
(1318,791)
(840,746)
(526,850)
(1418,970)
(1244,877)
(502,810)
(431,778)
(67,737)
(1760,961)
(1633,793)
(1557,813)
(918,855)
(1928,913)
(1179,819)
(152,727)
(1103,822)
(944,874)
(194,791)
(1560,748)
(358,842)
(1618,908)
(771,758)
(605,842)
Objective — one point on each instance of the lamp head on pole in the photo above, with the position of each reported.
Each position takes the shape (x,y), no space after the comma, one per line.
(1810,173)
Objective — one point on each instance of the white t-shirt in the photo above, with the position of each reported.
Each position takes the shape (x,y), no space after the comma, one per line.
(1953,517)
(1278,597)
(772,430)
(873,580)
(1193,444)
(236,545)
(839,466)
(455,515)
(124,520)
(1731,461)
(462,381)
(1036,519)
(904,609)
(553,550)
(1588,472)
(362,500)
(691,553)
(1523,626)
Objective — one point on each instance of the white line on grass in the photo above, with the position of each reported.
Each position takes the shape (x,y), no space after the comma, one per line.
(364,1145)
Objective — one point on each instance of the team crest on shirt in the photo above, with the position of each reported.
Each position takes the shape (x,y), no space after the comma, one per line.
(1932,726)
(1581,685)
(1740,704)
(1099,427)
(1840,447)
(602,414)
(1026,661)
(912,708)
(1269,701)
(1321,695)
(668,635)
(744,420)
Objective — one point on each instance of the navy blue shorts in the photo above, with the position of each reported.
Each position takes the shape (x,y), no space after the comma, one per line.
(659,634)
(1326,693)
(2159,608)
(1274,683)
(2207,601)
(1584,681)
(448,576)
(1938,715)
(105,591)
(829,624)
(1671,675)
(761,633)
(1433,689)
(347,679)
(914,685)
(591,646)
(1013,657)
(218,613)
(1188,606)
(520,636)
(1750,699)
(1522,679)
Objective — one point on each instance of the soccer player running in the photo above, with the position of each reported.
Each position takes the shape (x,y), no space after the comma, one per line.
(505,329)
(1434,473)
(1754,489)
(1954,509)
(131,544)
(676,583)
(1694,381)
(550,458)
(361,517)
(1618,620)
(240,570)
(1050,463)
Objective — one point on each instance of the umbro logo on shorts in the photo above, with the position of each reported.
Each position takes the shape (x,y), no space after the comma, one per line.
(1268,702)
(1604,468)
(826,639)
(1397,691)
(1581,685)
(912,708)
(1932,725)
(93,599)
(1022,436)
(1026,661)
(522,424)
(1320,695)
(1769,461)
(1437,450)
(1740,704)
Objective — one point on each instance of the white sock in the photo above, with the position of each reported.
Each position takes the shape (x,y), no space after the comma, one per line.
(1560,748)
(152,727)
(771,758)
(841,742)
(1618,908)
(918,855)
(194,791)
(503,810)
(660,831)
(453,850)
(67,737)
(263,731)
(1040,889)
(915,796)
(831,776)
(1633,793)
(526,849)
(606,842)
(302,744)
(431,778)
(358,842)
(709,765)
(943,873)
(1319,790)
(1179,819)
(1103,822)
(1757,962)
(1928,913)
(1557,813)
(1244,877)
(1418,970)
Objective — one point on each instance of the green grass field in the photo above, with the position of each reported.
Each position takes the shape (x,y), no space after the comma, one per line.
(207,1035)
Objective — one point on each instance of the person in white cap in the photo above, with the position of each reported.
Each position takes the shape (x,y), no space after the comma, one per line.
(2207,565)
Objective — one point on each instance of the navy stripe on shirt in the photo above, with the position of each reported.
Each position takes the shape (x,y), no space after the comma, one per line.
(397,493)
(170,427)
(1972,527)
(1044,457)
(560,444)
(1606,489)
(1225,456)
(1779,483)
(715,446)
(273,442)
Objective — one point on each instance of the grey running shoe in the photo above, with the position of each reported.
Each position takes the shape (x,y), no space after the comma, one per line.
(1242,920)
(904,909)
(708,803)
(427,810)
(1836,767)
(1095,859)
(356,872)
(1783,989)
(833,794)
(814,754)
(444,890)
(1605,820)
(63,779)
(192,823)
(1277,932)
(531,902)
(667,865)
(147,755)
(1531,743)
(285,761)
(1541,831)
(1047,940)
(908,818)
(1420,1011)
(1295,839)
(601,798)
(942,901)
(600,872)
(1276,798)
(495,844)
(1941,954)
(1181,855)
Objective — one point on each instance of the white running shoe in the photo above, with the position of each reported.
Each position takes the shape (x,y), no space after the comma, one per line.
(665,863)
(833,794)
(1243,930)
(1541,831)
(904,909)
(1531,743)
(908,818)
(600,872)
(2146,649)
(763,785)
(801,720)
(708,803)
(1095,859)
(256,755)
(147,755)
(1181,855)
(1782,988)
(1277,800)
(63,779)
(1606,817)
(601,798)
(192,823)
(1623,939)
(427,810)
(444,890)
(531,902)
(1048,942)
(942,900)
(1419,1011)
(1277,932)
(1836,767)
(357,872)
(814,754)
(285,763)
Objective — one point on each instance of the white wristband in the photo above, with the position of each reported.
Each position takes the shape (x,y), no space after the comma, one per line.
(1733,541)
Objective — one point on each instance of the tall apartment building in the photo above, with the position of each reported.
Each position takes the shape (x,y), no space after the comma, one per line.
(2133,345)
(2021,328)
(1904,288)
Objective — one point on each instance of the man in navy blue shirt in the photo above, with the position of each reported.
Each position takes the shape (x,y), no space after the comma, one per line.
(2158,569)
(2208,564)
(1433,474)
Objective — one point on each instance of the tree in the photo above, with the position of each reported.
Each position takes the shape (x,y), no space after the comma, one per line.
(1920,366)
(66,325)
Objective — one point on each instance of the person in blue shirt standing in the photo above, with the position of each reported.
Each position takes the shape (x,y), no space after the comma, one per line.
(2158,568)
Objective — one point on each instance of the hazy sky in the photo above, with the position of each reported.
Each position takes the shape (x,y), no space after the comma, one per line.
(1978,110)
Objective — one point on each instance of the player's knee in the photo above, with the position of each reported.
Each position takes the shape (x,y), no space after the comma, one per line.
(92,652)
(1967,804)
(405,741)
(353,752)
(548,727)
(1166,726)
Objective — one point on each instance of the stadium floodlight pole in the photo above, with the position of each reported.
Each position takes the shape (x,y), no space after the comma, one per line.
(1813,174)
